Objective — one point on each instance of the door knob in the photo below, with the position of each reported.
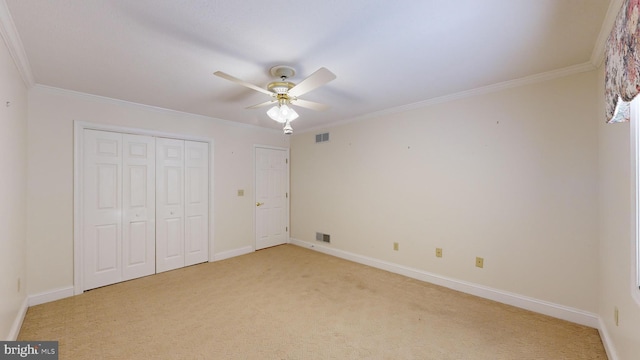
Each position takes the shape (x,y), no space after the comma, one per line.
(259,203)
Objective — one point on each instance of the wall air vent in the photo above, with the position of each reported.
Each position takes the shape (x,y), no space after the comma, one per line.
(322,137)
(323,237)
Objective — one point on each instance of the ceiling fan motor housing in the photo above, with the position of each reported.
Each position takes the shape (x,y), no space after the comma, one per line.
(280,87)
(283,72)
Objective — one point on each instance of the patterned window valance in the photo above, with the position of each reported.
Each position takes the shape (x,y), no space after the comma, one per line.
(622,63)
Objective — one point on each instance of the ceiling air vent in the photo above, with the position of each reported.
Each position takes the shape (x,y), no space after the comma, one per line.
(322,137)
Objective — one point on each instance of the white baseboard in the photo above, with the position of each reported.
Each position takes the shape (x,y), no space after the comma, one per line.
(32,300)
(17,323)
(49,296)
(540,306)
(233,253)
(62,293)
(606,340)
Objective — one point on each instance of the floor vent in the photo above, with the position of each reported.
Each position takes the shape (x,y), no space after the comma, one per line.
(322,137)
(323,237)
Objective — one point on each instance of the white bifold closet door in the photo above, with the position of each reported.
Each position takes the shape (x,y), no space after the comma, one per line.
(196,235)
(119,207)
(138,206)
(182,203)
(145,206)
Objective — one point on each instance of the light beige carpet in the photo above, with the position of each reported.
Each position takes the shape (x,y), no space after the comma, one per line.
(288,302)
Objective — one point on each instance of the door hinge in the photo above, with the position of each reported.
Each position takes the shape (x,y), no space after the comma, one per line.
(287,195)
(286,161)
(286,228)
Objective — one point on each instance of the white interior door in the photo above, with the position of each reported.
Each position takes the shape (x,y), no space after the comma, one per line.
(102,220)
(138,206)
(169,204)
(196,174)
(272,200)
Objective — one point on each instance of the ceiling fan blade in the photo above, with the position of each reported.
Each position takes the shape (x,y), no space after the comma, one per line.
(314,81)
(309,104)
(266,103)
(243,83)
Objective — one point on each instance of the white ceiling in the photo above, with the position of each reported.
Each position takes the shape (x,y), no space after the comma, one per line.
(386,54)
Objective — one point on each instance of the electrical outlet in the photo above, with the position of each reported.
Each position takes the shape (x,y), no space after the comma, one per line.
(438,252)
(395,246)
(479,262)
(616,315)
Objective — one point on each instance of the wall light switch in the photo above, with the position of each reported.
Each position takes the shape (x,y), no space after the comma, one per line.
(241,192)
(395,246)
(438,252)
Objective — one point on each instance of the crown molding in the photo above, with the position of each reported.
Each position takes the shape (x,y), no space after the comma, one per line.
(10,35)
(597,55)
(105,99)
(527,80)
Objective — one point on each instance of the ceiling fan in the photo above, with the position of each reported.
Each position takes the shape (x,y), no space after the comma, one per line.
(285,93)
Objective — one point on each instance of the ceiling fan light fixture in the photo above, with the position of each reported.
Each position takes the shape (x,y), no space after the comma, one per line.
(282,113)
(274,114)
(288,113)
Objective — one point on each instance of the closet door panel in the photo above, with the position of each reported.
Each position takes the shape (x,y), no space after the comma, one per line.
(197,202)
(138,214)
(101,220)
(169,204)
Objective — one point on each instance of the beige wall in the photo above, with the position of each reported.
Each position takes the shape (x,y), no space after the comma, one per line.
(616,239)
(50,174)
(13,191)
(509,176)
(529,178)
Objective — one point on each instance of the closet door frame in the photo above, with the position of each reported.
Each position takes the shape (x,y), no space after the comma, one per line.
(78,158)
